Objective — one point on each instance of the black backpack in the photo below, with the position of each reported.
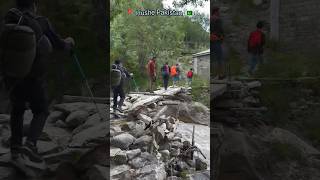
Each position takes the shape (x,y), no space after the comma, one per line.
(19,45)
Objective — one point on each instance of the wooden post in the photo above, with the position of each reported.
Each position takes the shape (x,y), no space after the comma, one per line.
(274,19)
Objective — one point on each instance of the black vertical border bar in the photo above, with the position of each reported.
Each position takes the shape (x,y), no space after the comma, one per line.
(211,100)
(107,29)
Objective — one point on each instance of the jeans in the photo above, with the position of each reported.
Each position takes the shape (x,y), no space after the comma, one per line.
(118,91)
(21,92)
(165,81)
(189,81)
(217,53)
(255,58)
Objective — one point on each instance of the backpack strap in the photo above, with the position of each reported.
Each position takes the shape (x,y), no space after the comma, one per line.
(18,13)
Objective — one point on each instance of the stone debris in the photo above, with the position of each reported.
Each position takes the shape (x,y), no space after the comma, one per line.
(239,102)
(148,137)
(73,131)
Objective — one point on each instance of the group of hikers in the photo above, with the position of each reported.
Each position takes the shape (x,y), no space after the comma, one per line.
(26,41)
(255,45)
(119,74)
(167,71)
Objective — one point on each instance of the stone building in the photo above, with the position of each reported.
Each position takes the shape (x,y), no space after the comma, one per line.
(201,64)
(296,24)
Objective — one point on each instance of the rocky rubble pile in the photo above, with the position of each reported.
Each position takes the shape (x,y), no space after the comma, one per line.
(73,143)
(147,145)
(239,104)
(248,148)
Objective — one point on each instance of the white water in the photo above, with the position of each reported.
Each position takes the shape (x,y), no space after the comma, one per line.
(201,137)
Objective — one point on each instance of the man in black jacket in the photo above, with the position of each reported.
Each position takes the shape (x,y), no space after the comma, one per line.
(118,90)
(31,88)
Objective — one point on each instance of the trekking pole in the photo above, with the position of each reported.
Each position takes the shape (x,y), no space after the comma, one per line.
(84,78)
(135,85)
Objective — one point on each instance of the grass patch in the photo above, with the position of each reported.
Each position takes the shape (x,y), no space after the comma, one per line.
(287,65)
(200,91)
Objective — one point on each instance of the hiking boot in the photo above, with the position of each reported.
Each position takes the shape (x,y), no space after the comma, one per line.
(31,156)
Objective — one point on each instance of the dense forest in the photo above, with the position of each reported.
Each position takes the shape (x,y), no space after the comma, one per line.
(136,39)
(85,21)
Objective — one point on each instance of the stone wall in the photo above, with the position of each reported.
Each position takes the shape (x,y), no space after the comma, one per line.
(300,24)
(201,66)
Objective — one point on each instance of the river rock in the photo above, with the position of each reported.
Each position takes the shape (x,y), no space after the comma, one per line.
(47,147)
(118,156)
(76,118)
(165,154)
(6,172)
(61,124)
(144,159)
(133,153)
(200,165)
(91,136)
(58,135)
(138,130)
(123,141)
(115,130)
(146,119)
(174,178)
(55,116)
(205,175)
(117,171)
(4,118)
(153,171)
(98,173)
(143,141)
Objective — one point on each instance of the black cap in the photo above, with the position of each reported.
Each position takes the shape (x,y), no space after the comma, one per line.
(260,24)
(118,61)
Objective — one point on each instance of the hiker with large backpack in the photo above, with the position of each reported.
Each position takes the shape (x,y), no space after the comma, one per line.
(25,42)
(189,76)
(118,76)
(152,73)
(165,70)
(216,38)
(256,42)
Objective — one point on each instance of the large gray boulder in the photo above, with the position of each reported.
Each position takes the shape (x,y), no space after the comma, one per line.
(120,172)
(90,137)
(122,141)
(98,173)
(76,118)
(204,175)
(55,116)
(59,135)
(118,156)
(133,153)
(153,171)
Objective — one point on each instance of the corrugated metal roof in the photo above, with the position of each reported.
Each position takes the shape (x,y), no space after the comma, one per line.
(203,53)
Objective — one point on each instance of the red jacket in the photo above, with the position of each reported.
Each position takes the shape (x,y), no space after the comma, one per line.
(151,68)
